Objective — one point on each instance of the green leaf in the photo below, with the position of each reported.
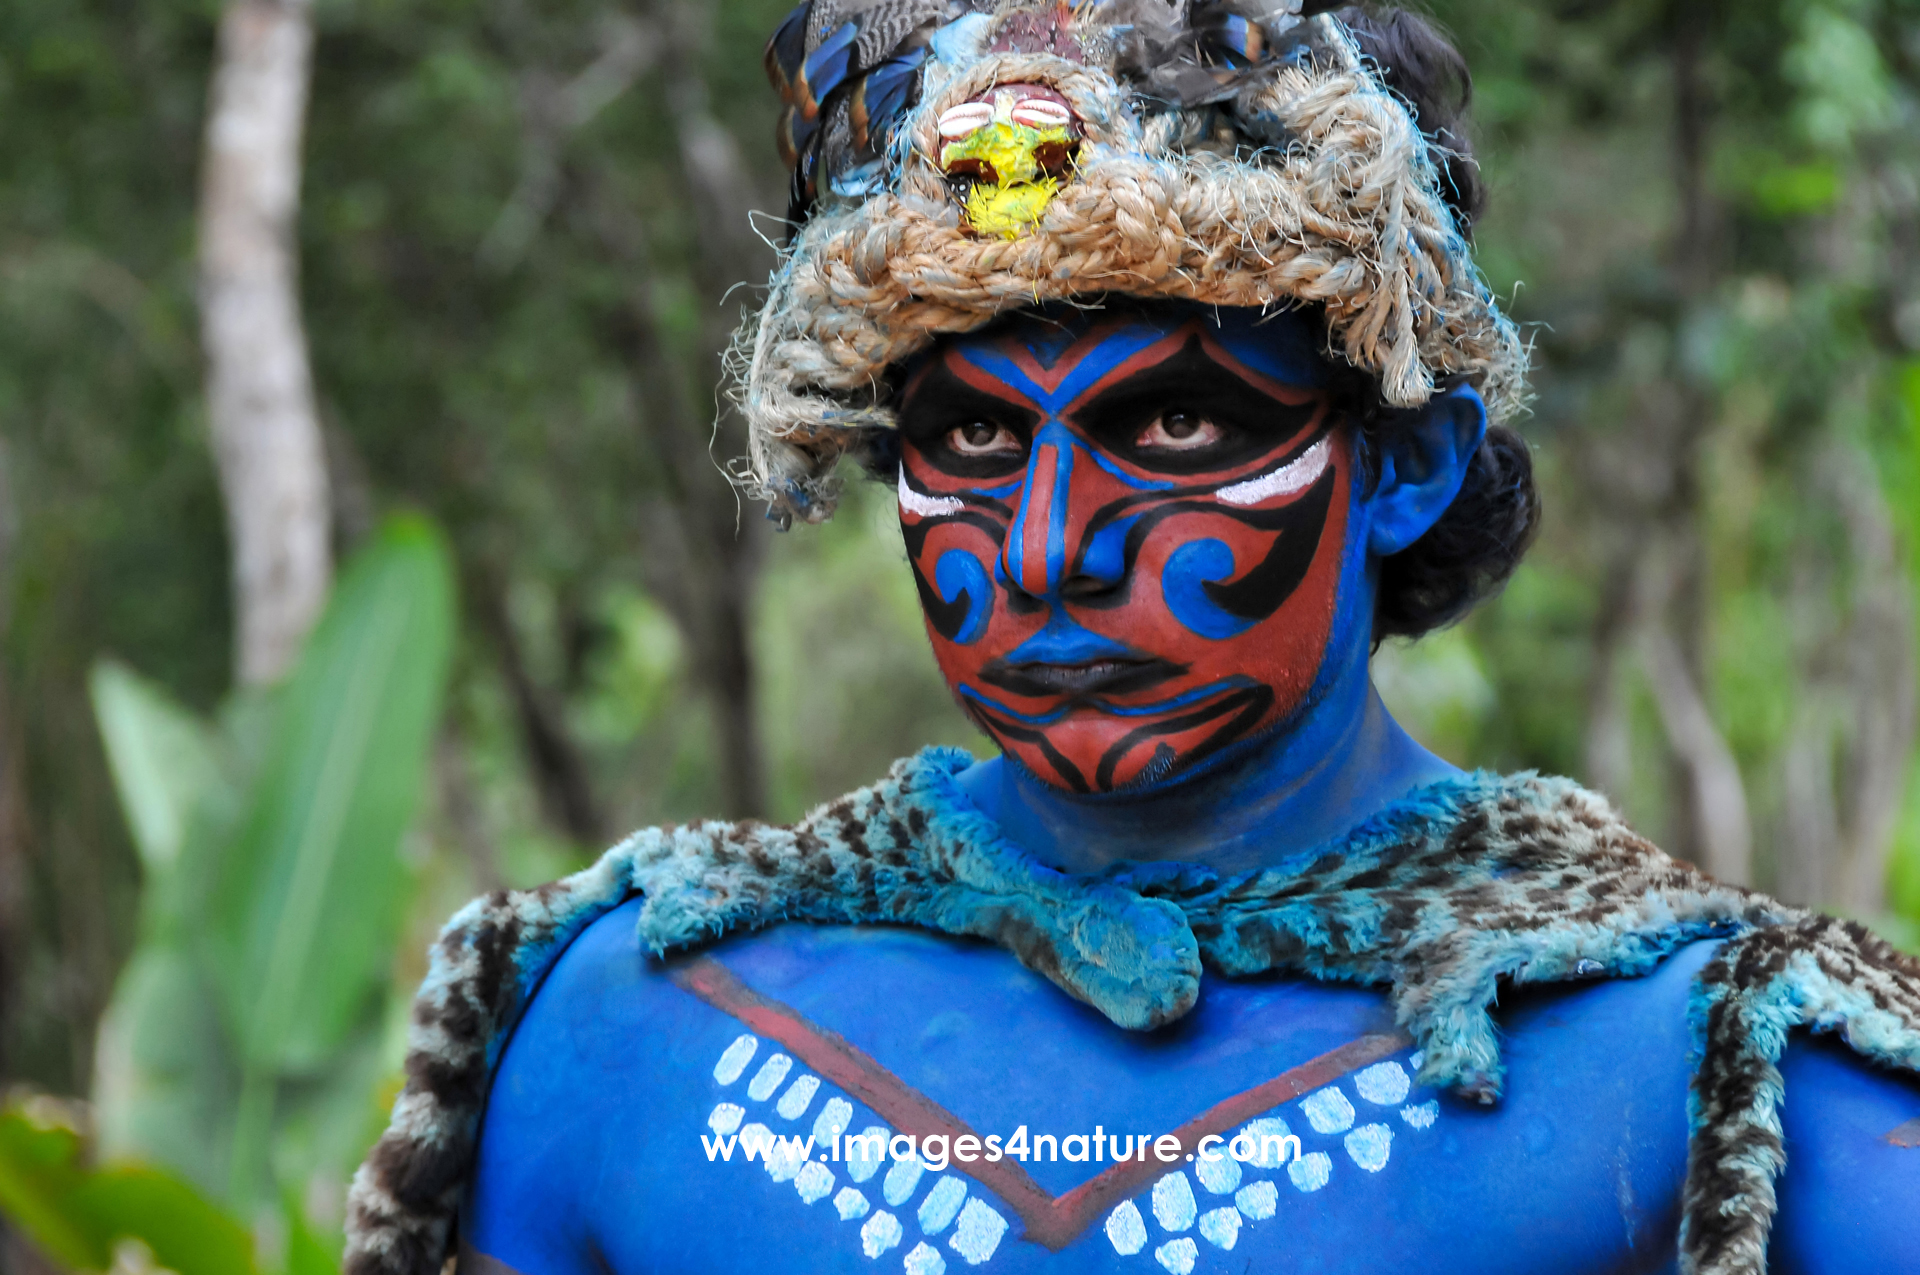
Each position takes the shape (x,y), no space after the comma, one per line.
(184,1231)
(1797,190)
(1897,456)
(164,1071)
(39,1175)
(161,756)
(77,1216)
(308,1253)
(308,900)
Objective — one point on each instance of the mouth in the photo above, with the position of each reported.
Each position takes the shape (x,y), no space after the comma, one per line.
(1037,680)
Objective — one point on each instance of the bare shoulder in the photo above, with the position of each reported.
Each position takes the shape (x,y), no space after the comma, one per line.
(1850,1195)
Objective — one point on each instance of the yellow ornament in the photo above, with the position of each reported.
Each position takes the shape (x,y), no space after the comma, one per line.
(1012,153)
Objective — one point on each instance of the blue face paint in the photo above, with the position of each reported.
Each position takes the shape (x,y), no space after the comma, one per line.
(1190,567)
(1186,629)
(959,574)
(1064,642)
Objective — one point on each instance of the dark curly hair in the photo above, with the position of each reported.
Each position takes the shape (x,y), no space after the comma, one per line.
(1465,557)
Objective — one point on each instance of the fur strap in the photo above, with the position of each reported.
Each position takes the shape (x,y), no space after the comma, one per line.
(1817,972)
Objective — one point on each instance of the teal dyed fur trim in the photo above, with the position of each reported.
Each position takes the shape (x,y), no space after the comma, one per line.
(1460,887)
(1815,972)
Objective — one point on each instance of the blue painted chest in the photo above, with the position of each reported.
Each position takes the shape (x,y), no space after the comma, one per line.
(606,1145)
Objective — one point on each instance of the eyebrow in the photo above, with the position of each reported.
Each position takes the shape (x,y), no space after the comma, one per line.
(1197,379)
(939,395)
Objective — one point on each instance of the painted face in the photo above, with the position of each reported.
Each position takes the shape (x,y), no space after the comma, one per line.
(1127,532)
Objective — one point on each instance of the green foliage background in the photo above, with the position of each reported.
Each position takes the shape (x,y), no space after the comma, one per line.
(1706,212)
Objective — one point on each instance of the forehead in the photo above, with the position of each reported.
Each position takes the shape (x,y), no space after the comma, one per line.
(1284,345)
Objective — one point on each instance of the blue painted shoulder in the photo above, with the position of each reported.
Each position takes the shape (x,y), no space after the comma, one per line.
(1850,1195)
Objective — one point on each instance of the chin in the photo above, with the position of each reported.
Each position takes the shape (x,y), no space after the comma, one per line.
(1092,753)
(1085,738)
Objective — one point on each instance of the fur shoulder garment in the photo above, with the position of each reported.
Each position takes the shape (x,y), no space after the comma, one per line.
(1444,896)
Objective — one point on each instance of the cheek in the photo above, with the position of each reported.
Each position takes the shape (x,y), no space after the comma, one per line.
(966,612)
(1287,648)
(1235,598)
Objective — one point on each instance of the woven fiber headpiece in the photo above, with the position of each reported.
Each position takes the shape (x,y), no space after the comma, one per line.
(956,160)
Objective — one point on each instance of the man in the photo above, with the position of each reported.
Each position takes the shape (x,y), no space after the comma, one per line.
(1160,318)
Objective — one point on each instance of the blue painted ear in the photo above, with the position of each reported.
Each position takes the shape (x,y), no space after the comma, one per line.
(1422,463)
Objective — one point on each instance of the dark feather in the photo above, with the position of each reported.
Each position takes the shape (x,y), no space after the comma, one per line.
(880,97)
(825,69)
(846,84)
(827,16)
(889,26)
(792,133)
(786,52)
(800,190)
(1233,41)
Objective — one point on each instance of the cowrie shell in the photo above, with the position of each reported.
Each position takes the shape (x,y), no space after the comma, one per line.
(1040,112)
(968,117)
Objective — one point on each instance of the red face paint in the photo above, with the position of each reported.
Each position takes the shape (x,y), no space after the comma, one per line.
(1127,535)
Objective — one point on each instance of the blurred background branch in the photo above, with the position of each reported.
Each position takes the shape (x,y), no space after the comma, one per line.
(474,266)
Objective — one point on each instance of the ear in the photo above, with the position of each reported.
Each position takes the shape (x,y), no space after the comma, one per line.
(1423,460)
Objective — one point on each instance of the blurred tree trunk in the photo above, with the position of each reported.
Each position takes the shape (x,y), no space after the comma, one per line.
(720,590)
(14,827)
(1847,760)
(259,386)
(1654,599)
(1722,831)
(561,778)
(694,555)
(1715,828)
(703,549)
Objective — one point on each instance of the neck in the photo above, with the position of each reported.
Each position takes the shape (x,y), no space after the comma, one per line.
(1340,761)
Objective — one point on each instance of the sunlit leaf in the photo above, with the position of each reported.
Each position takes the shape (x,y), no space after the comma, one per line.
(39,1174)
(1797,190)
(183,1230)
(78,1216)
(308,1252)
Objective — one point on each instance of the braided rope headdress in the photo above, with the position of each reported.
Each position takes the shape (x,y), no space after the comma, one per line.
(1229,152)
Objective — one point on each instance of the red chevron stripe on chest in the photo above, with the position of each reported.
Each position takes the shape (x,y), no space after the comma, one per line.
(1053,1221)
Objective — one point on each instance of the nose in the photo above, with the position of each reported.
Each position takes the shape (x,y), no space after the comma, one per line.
(1042,556)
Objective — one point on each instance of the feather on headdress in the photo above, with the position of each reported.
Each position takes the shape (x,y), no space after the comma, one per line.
(954,160)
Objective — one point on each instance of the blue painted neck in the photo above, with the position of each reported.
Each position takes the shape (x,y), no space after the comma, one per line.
(1337,762)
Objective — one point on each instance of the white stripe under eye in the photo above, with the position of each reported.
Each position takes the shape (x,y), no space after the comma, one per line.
(1284,481)
(920,506)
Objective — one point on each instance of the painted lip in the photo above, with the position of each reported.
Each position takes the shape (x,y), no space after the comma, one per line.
(1065,642)
(1037,680)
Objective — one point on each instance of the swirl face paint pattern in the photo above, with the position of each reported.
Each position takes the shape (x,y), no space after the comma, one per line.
(1127,532)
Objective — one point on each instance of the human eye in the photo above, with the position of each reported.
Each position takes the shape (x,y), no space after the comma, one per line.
(984,439)
(1179,431)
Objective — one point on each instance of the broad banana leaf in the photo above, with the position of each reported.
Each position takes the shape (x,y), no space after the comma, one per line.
(165,1071)
(274,885)
(308,899)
